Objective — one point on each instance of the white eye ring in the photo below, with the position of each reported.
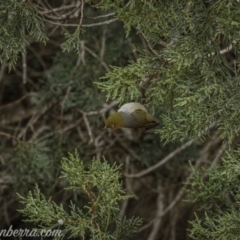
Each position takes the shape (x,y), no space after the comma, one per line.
(112,126)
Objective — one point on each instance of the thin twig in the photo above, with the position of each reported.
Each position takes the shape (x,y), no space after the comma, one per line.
(81,56)
(24,63)
(125,146)
(181,192)
(11,104)
(103,16)
(197,164)
(81,17)
(103,44)
(50,7)
(169,156)
(148,44)
(63,8)
(83,25)
(89,130)
(96,56)
(128,189)
(2,70)
(163,161)
(37,55)
(158,219)
(218,155)
(35,118)
(9,136)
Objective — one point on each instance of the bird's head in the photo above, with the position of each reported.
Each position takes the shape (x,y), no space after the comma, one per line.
(114,121)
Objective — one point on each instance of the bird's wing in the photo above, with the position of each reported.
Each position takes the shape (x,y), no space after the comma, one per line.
(144,119)
(141,116)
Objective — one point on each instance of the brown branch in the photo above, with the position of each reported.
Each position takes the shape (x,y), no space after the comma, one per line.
(9,136)
(148,44)
(81,17)
(37,55)
(181,192)
(81,56)
(169,156)
(89,130)
(2,70)
(52,10)
(197,164)
(24,64)
(96,56)
(83,25)
(218,155)
(103,16)
(103,44)
(35,118)
(9,105)
(50,7)
(158,217)
(103,110)
(128,189)
(163,161)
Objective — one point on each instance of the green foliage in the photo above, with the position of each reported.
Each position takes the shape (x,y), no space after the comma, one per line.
(218,194)
(73,41)
(30,164)
(71,86)
(122,84)
(100,218)
(192,79)
(19,20)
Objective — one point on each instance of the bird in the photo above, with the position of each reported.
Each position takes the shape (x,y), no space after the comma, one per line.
(131,115)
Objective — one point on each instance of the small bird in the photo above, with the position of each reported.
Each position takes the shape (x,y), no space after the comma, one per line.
(131,115)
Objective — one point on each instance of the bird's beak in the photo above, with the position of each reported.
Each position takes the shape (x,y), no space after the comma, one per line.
(104,128)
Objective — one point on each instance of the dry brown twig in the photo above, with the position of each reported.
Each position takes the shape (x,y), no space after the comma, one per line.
(81,56)
(103,44)
(2,70)
(99,59)
(103,16)
(60,16)
(24,64)
(45,11)
(89,129)
(35,117)
(158,217)
(10,136)
(128,189)
(212,142)
(168,157)
(83,25)
(62,12)
(162,162)
(150,48)
(81,17)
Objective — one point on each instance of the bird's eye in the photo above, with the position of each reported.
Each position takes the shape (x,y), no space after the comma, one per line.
(112,126)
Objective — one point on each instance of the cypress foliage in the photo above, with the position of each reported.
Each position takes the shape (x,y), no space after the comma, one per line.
(190,77)
(19,20)
(218,195)
(99,219)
